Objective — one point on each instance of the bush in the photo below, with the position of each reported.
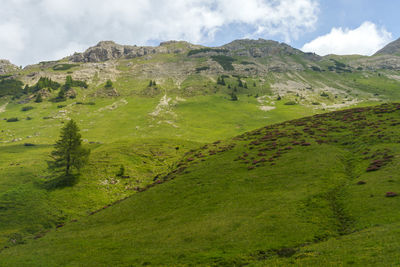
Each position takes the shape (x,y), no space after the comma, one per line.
(64,66)
(205,50)
(234,97)
(290,103)
(26,108)
(38,98)
(323,94)
(224,61)
(29,144)
(202,68)
(121,171)
(11,87)
(109,84)
(12,119)
(60,106)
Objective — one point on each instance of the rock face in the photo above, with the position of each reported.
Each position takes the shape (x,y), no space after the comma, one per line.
(392,48)
(7,67)
(265,48)
(109,50)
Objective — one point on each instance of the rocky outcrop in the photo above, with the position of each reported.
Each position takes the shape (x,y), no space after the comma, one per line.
(392,48)
(265,48)
(7,67)
(109,50)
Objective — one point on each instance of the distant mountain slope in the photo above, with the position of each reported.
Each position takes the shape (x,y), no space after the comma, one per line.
(392,48)
(6,67)
(281,194)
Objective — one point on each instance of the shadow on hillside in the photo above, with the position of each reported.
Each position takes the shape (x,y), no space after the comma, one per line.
(59,182)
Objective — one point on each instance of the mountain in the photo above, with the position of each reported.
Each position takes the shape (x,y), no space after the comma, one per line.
(316,191)
(392,48)
(178,119)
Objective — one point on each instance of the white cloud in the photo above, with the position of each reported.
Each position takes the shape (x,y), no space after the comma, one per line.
(51,26)
(364,40)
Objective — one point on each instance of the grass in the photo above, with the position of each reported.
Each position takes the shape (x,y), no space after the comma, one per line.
(283,194)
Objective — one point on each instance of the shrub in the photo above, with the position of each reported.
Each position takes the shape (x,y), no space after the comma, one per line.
(234,97)
(121,171)
(224,61)
(64,66)
(323,94)
(202,68)
(29,144)
(12,119)
(109,84)
(26,108)
(290,103)
(39,98)
(205,50)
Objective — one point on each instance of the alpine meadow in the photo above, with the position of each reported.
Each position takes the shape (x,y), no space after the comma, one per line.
(252,153)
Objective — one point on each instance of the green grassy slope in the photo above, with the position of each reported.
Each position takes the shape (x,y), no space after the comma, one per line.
(133,131)
(302,192)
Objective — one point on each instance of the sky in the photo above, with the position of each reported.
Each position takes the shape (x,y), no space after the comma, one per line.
(39,30)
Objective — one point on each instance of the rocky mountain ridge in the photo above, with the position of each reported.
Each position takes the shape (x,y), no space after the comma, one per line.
(7,67)
(392,48)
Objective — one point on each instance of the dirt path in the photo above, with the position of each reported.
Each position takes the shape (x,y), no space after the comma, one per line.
(3,107)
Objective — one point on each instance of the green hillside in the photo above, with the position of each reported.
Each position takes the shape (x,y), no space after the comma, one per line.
(314,190)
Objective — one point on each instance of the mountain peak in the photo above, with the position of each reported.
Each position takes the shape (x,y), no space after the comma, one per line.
(7,67)
(392,48)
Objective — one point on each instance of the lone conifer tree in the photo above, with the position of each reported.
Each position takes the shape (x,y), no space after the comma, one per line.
(69,153)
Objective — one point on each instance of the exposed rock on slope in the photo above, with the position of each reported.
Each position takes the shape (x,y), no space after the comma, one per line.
(7,67)
(108,50)
(265,48)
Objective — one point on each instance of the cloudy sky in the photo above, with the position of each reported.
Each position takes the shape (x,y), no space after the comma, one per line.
(39,30)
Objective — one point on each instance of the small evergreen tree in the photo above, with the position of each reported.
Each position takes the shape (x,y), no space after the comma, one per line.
(240,83)
(61,95)
(109,84)
(150,83)
(69,153)
(68,83)
(38,98)
(154,83)
(121,171)
(26,89)
(234,97)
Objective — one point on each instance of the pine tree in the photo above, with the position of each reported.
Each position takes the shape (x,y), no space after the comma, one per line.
(150,83)
(68,83)
(61,95)
(69,153)
(109,84)
(240,83)
(234,97)
(38,98)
